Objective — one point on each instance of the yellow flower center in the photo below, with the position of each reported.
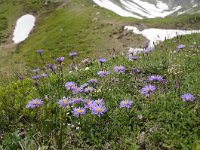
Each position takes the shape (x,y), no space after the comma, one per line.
(64,101)
(35,102)
(98,102)
(79,111)
(125,103)
(98,109)
(148,89)
(87,101)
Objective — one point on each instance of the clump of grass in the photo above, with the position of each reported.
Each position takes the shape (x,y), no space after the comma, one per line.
(151,102)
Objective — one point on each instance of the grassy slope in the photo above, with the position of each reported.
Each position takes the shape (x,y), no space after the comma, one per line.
(72,27)
(166,123)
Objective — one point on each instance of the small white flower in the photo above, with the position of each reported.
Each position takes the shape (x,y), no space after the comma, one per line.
(87,68)
(140,116)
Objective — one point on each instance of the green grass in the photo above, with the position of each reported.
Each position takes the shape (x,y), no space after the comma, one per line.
(161,121)
(71,28)
(74,25)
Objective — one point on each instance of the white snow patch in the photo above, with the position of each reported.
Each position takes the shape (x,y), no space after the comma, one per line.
(194,5)
(113,7)
(137,8)
(156,35)
(23,28)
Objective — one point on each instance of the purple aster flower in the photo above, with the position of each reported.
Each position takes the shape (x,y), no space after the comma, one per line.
(52,67)
(99,102)
(102,73)
(93,81)
(83,86)
(36,83)
(136,70)
(89,104)
(102,60)
(60,59)
(36,77)
(181,46)
(198,46)
(73,54)
(36,70)
(70,85)
(156,78)
(126,103)
(64,102)
(77,100)
(147,50)
(43,75)
(40,51)
(89,89)
(130,58)
(79,111)
(86,102)
(34,103)
(132,51)
(21,78)
(147,89)
(119,69)
(77,90)
(187,97)
(98,110)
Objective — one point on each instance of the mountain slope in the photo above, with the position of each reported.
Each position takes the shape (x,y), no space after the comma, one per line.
(80,26)
(147,8)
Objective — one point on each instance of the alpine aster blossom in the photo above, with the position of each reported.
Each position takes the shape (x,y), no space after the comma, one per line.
(132,52)
(60,59)
(36,70)
(70,85)
(52,67)
(126,103)
(119,69)
(34,103)
(130,58)
(77,100)
(98,110)
(187,97)
(156,78)
(40,51)
(93,81)
(21,78)
(136,70)
(89,104)
(88,89)
(147,89)
(79,111)
(181,46)
(77,90)
(99,102)
(83,86)
(64,102)
(73,54)
(36,83)
(86,102)
(36,77)
(102,60)
(147,50)
(102,73)
(43,75)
